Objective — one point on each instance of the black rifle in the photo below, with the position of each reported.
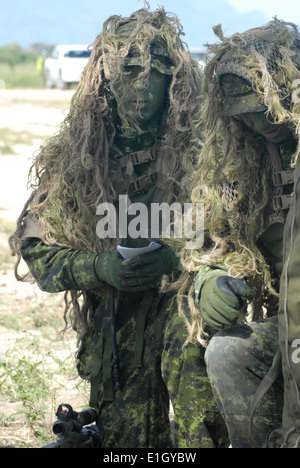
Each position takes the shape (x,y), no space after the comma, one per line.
(70,430)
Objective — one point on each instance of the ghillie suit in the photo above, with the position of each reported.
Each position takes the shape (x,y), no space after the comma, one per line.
(237,180)
(246,183)
(100,153)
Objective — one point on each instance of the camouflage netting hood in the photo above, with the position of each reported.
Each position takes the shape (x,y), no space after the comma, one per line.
(233,182)
(267,57)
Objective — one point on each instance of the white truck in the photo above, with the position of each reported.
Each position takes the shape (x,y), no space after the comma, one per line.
(65,65)
(201,55)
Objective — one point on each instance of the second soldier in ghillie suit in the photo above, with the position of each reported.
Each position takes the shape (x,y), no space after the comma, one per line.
(245,181)
(132,131)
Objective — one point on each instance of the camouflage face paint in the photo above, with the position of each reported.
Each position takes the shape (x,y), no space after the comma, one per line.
(143,98)
(260,123)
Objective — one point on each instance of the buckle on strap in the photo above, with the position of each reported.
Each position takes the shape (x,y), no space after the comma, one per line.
(141,182)
(141,157)
(283,202)
(283,177)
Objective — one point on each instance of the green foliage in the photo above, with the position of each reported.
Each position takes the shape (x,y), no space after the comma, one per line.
(24,377)
(9,138)
(19,66)
(13,53)
(23,75)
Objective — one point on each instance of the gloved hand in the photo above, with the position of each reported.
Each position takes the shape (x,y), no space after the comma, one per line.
(108,267)
(148,269)
(221,299)
(138,273)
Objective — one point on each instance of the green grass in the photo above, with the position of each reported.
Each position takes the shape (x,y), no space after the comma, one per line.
(37,365)
(27,379)
(9,138)
(22,75)
(7,227)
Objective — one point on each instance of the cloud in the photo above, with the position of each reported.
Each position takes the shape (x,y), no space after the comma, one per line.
(287,10)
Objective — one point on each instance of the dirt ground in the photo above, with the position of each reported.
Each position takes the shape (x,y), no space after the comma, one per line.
(39,113)
(29,319)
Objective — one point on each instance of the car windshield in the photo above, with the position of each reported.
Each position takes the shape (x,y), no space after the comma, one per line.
(77,54)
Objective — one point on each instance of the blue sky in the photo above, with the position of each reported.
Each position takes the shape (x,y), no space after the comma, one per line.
(79,21)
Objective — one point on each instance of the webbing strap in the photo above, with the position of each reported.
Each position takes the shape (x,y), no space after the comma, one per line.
(108,389)
(136,158)
(140,326)
(102,360)
(103,355)
(95,370)
(264,386)
(115,353)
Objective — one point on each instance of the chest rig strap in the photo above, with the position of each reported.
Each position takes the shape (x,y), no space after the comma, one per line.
(279,182)
(125,171)
(281,178)
(135,159)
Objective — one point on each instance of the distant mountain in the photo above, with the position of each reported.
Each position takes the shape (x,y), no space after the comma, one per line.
(79,21)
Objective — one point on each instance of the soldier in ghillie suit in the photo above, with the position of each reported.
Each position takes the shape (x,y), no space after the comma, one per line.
(246,184)
(132,131)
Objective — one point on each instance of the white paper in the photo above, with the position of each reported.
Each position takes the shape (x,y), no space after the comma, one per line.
(129,252)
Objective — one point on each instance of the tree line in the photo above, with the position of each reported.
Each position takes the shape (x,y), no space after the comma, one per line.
(13,53)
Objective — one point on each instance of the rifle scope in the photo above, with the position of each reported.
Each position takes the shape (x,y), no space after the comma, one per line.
(71,421)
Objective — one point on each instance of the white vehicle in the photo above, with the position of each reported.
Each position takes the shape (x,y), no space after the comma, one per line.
(200,55)
(65,65)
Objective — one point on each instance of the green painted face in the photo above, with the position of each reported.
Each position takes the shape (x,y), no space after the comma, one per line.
(143,100)
(260,123)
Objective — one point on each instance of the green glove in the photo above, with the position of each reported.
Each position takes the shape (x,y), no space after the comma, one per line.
(138,273)
(108,267)
(221,299)
(148,269)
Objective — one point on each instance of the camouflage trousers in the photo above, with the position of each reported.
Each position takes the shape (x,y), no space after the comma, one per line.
(138,413)
(237,360)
